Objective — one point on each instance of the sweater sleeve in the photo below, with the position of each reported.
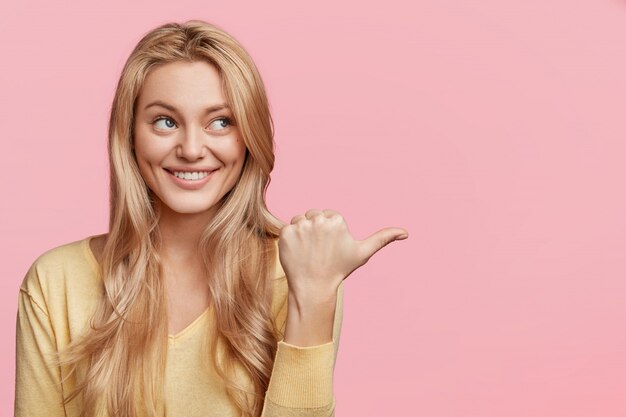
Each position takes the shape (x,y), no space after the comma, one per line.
(301,384)
(37,381)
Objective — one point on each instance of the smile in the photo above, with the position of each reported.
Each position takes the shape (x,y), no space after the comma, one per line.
(190,180)
(191,176)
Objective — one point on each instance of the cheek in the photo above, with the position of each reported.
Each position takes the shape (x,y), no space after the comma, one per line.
(146,154)
(148,147)
(232,153)
(144,170)
(234,156)
(239,149)
(240,158)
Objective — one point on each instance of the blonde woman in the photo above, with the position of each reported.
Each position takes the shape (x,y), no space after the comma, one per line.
(197,302)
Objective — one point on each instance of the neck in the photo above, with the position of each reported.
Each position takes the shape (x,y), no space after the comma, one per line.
(180,233)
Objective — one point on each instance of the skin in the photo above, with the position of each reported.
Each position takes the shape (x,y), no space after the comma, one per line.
(316,249)
(317,253)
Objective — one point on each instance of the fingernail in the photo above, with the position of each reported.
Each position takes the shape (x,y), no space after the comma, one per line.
(402,237)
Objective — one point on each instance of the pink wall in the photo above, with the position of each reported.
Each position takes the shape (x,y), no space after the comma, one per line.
(493,131)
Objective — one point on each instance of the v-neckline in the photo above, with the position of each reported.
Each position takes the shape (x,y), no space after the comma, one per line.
(190,326)
(171,337)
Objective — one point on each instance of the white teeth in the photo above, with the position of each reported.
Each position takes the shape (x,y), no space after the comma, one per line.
(191,176)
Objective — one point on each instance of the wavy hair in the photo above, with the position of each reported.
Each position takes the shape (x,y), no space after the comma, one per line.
(124,349)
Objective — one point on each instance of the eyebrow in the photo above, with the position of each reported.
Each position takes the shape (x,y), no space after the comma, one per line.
(208,110)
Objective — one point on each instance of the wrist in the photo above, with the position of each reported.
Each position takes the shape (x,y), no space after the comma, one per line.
(310,319)
(312,301)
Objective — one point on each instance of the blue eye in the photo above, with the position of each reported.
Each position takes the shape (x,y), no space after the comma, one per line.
(167,124)
(222,123)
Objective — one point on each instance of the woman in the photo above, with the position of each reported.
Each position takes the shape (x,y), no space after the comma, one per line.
(198,301)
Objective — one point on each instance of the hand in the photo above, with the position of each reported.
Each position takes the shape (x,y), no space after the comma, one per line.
(317,252)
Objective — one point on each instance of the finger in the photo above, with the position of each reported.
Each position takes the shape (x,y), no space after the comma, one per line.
(312,213)
(331,213)
(297,218)
(379,240)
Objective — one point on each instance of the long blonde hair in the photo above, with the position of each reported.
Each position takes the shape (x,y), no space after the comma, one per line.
(125,348)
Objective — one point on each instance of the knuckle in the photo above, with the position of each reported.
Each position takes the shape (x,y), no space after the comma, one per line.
(311,212)
(318,219)
(285,231)
(334,215)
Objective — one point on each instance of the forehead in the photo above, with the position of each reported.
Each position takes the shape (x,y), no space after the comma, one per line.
(184,85)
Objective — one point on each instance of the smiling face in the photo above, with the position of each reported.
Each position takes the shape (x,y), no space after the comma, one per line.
(188,149)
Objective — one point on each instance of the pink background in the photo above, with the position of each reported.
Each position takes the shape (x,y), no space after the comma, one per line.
(493,131)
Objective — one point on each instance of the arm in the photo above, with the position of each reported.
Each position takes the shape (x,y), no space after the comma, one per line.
(317,252)
(37,383)
(302,378)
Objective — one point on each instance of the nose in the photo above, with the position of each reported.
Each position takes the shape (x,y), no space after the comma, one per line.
(192,145)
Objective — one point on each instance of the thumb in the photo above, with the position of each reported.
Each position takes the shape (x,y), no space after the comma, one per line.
(379,240)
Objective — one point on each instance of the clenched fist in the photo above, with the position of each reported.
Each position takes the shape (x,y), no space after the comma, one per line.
(317,252)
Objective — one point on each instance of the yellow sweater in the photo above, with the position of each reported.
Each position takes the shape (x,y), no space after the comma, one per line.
(56,301)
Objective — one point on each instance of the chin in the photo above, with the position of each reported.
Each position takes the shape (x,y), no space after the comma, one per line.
(188,207)
(191,209)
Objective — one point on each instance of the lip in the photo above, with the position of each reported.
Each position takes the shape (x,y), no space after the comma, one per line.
(188,169)
(189,185)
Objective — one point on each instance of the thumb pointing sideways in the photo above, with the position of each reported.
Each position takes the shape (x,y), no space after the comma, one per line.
(369,246)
